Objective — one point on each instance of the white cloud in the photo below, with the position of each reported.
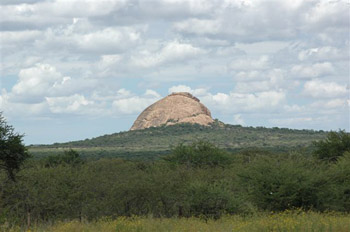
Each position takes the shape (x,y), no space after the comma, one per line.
(199,26)
(16,109)
(130,104)
(108,40)
(250,64)
(320,89)
(152,93)
(312,71)
(35,82)
(242,20)
(107,61)
(242,59)
(199,92)
(323,54)
(171,52)
(336,103)
(43,80)
(76,104)
(18,38)
(260,81)
(268,101)
(236,102)
(180,88)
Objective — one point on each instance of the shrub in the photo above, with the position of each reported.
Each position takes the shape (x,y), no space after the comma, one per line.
(199,154)
(333,146)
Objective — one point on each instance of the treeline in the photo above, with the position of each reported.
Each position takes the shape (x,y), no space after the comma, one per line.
(199,179)
(152,142)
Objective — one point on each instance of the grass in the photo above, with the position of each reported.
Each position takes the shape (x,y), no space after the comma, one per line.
(286,221)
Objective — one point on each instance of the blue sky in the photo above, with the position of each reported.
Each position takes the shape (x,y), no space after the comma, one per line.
(79,69)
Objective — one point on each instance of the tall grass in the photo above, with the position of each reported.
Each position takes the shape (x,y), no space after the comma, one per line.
(286,221)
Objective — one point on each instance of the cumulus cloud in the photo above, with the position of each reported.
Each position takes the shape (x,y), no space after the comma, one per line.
(312,71)
(183,88)
(134,104)
(108,40)
(235,102)
(322,54)
(337,103)
(171,52)
(239,102)
(241,20)
(76,104)
(321,89)
(199,26)
(250,64)
(44,80)
(35,82)
(241,58)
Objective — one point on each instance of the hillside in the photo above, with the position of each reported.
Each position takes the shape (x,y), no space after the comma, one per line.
(153,142)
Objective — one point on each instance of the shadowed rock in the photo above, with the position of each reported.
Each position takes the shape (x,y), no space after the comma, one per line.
(176,108)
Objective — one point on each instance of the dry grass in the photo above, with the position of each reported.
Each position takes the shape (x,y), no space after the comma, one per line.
(286,221)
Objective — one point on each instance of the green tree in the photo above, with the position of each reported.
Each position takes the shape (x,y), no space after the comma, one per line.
(12,151)
(284,182)
(199,154)
(334,146)
(69,157)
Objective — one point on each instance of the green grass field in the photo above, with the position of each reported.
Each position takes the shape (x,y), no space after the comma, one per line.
(286,221)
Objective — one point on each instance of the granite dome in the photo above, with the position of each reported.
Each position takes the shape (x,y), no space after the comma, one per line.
(180,107)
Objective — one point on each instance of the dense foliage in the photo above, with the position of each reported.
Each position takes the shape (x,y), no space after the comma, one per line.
(199,154)
(188,183)
(151,143)
(334,146)
(12,151)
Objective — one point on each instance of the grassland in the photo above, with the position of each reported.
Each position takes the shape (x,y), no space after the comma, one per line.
(151,143)
(286,221)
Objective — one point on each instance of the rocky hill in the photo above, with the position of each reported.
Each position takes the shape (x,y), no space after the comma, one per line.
(176,108)
(153,142)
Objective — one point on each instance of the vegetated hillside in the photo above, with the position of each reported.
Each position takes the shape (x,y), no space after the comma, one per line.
(156,141)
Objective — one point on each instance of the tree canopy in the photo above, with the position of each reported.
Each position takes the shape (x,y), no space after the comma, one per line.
(334,146)
(12,151)
(199,154)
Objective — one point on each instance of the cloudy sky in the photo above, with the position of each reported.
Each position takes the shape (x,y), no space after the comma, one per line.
(79,69)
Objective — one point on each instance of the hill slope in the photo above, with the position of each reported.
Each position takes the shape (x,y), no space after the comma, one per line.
(153,142)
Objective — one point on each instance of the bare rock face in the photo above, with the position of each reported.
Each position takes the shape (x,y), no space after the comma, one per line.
(176,108)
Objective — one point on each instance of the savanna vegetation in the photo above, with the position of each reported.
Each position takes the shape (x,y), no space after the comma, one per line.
(197,185)
(153,143)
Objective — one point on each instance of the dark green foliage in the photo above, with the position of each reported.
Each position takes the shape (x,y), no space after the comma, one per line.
(150,143)
(70,157)
(333,146)
(199,154)
(283,182)
(339,179)
(210,200)
(12,151)
(198,179)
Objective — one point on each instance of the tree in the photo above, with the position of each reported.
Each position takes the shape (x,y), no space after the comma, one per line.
(12,151)
(199,154)
(334,146)
(69,157)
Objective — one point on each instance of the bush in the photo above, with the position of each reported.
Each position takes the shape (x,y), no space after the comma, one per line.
(339,175)
(280,183)
(333,146)
(199,154)
(70,157)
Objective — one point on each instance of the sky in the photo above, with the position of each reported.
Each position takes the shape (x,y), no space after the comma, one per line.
(73,70)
